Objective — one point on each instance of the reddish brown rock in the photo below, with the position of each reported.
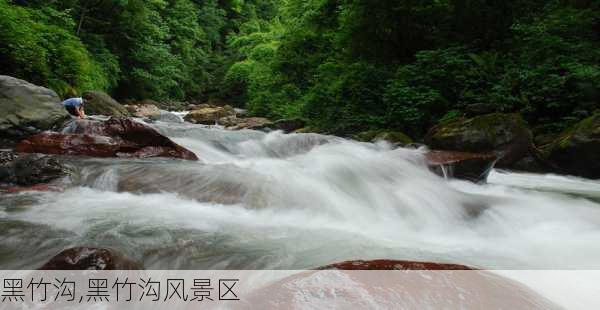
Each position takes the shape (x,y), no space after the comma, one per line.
(388,264)
(69,144)
(473,167)
(439,287)
(88,258)
(116,137)
(35,188)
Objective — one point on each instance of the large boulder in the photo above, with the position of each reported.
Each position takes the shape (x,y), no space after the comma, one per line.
(89,258)
(506,135)
(577,150)
(423,286)
(115,137)
(209,115)
(101,103)
(474,167)
(26,108)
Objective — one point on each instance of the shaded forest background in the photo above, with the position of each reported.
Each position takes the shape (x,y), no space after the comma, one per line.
(343,65)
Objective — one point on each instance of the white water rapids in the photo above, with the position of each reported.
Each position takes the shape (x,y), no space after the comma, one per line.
(277,201)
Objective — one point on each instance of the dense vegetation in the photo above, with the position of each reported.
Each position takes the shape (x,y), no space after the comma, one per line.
(344,65)
(160,49)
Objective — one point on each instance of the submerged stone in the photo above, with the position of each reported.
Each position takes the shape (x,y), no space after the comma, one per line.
(90,258)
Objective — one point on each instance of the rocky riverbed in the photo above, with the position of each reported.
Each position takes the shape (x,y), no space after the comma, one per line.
(140,187)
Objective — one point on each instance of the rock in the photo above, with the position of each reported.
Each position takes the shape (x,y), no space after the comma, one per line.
(230,121)
(172,105)
(532,162)
(238,123)
(89,258)
(26,109)
(577,150)
(447,286)
(31,169)
(388,264)
(289,125)
(241,112)
(474,167)
(252,123)
(115,137)
(34,188)
(102,104)
(143,109)
(209,115)
(394,137)
(308,129)
(506,135)
(166,116)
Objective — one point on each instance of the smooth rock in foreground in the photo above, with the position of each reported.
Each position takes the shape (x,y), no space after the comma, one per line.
(418,285)
(89,258)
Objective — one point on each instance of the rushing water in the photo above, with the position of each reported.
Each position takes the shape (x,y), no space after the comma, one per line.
(261,201)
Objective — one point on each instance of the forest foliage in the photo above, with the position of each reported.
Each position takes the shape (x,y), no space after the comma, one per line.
(343,65)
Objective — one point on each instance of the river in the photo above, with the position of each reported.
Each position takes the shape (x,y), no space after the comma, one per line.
(291,201)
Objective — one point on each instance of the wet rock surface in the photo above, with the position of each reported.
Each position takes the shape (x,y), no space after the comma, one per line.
(27,170)
(388,264)
(90,258)
(115,137)
(473,167)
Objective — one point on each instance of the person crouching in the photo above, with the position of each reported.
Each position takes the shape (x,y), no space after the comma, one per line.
(75,106)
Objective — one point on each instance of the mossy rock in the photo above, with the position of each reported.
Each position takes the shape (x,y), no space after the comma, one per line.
(103,104)
(394,137)
(505,134)
(577,149)
(26,108)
